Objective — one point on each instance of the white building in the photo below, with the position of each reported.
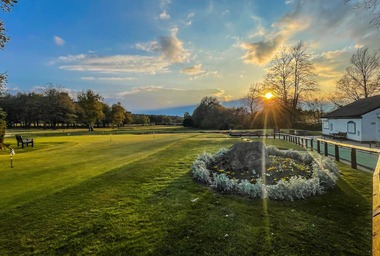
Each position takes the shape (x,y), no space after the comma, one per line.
(360,119)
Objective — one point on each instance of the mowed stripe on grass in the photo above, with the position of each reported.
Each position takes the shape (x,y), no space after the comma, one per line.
(143,201)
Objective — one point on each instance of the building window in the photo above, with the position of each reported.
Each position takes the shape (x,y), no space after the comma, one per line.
(331,127)
(325,124)
(351,127)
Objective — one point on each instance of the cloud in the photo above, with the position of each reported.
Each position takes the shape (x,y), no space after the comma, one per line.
(221,96)
(164,16)
(170,47)
(329,66)
(225,12)
(156,97)
(261,52)
(325,23)
(108,78)
(188,21)
(115,64)
(194,70)
(59,41)
(164,3)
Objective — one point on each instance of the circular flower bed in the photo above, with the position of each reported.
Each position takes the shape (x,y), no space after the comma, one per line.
(288,175)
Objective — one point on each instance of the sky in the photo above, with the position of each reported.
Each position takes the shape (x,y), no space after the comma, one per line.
(163,54)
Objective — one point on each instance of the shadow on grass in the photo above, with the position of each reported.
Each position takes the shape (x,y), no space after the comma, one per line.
(153,207)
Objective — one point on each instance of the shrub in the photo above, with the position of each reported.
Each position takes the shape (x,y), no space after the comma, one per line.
(324,176)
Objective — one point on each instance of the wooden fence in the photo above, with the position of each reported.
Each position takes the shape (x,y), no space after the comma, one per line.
(317,144)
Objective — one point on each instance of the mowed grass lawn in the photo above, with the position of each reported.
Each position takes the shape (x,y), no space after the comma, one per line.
(134,195)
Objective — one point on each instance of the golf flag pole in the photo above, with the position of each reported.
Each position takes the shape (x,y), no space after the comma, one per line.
(11,153)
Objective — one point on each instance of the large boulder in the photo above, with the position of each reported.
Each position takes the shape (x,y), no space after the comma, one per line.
(247,156)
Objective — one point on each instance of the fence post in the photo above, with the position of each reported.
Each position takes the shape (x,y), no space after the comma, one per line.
(337,153)
(318,146)
(353,158)
(311,145)
(376,210)
(326,149)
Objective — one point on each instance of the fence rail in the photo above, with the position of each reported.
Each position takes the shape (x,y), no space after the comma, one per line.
(357,156)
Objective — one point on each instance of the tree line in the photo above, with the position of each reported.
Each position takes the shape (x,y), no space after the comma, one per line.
(54,108)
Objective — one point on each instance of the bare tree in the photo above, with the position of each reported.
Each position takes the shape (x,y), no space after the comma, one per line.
(278,78)
(291,76)
(303,73)
(362,78)
(369,6)
(5,5)
(318,105)
(253,97)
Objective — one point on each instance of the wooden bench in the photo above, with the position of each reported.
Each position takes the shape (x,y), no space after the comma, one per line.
(302,133)
(23,142)
(339,135)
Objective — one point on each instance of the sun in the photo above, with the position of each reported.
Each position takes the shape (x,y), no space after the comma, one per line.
(268,95)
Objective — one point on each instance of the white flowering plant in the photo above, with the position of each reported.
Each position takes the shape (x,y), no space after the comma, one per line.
(292,175)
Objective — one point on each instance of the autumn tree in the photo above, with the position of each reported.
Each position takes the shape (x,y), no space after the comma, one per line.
(362,78)
(91,106)
(117,115)
(128,117)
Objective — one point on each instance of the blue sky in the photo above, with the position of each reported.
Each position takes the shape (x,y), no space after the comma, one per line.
(159,54)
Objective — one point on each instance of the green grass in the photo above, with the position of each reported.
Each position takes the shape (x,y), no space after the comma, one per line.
(134,195)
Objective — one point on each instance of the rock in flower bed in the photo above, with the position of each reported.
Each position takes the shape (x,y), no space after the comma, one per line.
(251,169)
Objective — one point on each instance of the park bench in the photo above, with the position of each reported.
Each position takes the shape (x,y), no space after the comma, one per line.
(23,142)
(339,135)
(302,133)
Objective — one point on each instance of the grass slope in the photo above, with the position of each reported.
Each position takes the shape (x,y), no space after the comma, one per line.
(134,195)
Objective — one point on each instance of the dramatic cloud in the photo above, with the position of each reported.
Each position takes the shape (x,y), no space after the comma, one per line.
(169,46)
(113,64)
(59,41)
(172,48)
(320,22)
(261,52)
